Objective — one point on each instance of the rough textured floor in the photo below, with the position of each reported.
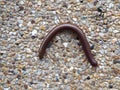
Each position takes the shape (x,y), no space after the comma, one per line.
(24,24)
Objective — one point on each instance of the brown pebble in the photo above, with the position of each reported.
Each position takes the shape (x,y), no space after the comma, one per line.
(18,76)
(74,70)
(8,82)
(21,8)
(42,27)
(26,86)
(32,21)
(2,2)
(64,76)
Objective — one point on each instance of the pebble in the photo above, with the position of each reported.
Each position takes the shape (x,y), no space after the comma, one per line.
(101,34)
(6,88)
(33,11)
(21,2)
(20,21)
(75,19)
(114,40)
(29,24)
(26,86)
(18,57)
(115,31)
(32,21)
(2,2)
(42,27)
(105,84)
(56,54)
(28,50)
(111,5)
(39,3)
(34,33)
(65,44)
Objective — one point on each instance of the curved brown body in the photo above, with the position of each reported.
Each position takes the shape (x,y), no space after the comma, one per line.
(82,38)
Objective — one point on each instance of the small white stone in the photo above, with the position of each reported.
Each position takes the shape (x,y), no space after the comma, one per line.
(20,21)
(115,31)
(75,19)
(54,12)
(111,5)
(78,1)
(52,0)
(101,51)
(29,24)
(39,2)
(28,50)
(34,32)
(56,20)
(71,68)
(68,11)
(90,5)
(33,11)
(37,28)
(21,2)
(101,34)
(66,80)
(20,25)
(103,60)
(65,44)
(57,37)
(57,75)
(105,84)
(56,55)
(12,33)
(23,28)
(105,46)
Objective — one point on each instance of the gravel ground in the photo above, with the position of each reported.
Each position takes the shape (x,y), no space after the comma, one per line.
(24,24)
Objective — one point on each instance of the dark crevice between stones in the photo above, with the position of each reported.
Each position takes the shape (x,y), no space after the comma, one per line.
(110,86)
(33,37)
(77,38)
(116,61)
(99,9)
(81,1)
(88,78)
(78,43)
(17,44)
(1,54)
